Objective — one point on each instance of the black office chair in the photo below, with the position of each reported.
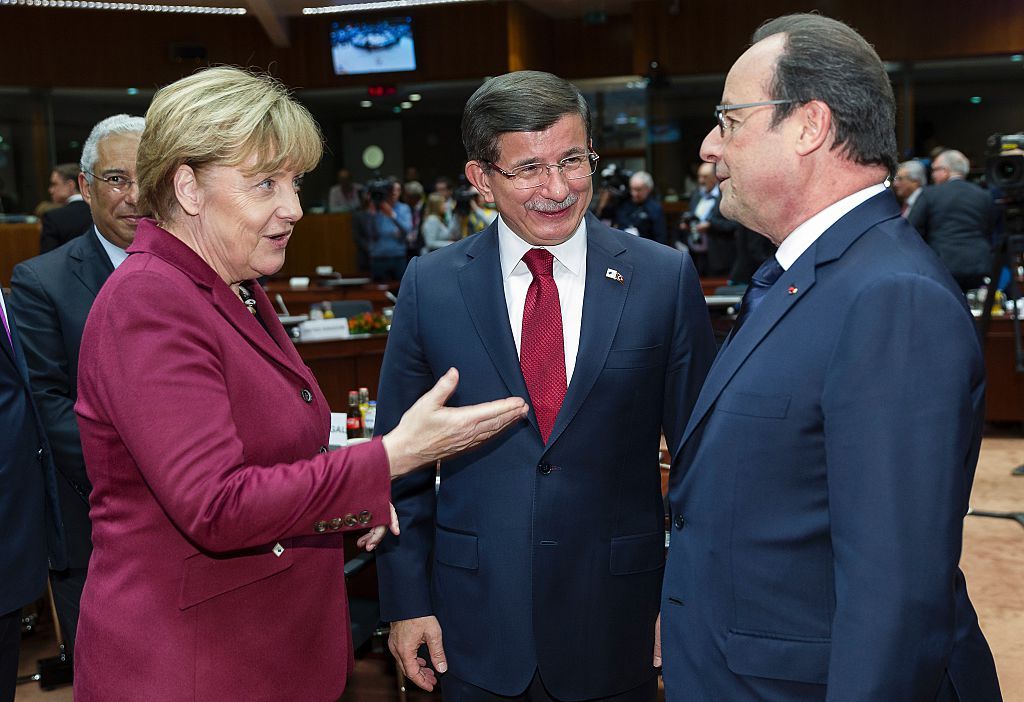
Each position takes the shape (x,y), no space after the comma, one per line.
(350,308)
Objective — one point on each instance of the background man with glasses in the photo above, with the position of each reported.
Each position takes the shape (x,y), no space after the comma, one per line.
(534,572)
(829,458)
(51,295)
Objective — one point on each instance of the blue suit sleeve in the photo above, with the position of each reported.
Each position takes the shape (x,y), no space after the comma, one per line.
(693,350)
(403,562)
(902,408)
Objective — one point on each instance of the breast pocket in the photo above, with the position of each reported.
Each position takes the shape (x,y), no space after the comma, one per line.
(751,404)
(205,577)
(644,357)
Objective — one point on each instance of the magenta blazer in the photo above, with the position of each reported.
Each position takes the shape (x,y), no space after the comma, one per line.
(217,570)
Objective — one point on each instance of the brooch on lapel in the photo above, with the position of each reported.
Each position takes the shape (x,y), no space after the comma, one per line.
(613,274)
(793,290)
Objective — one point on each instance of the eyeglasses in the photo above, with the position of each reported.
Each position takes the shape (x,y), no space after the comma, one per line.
(534,175)
(117,183)
(720,111)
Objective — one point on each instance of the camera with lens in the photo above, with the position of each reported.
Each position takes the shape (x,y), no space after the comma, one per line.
(464,195)
(1005,164)
(379,190)
(616,180)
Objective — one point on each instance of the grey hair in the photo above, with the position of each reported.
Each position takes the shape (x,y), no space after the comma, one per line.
(117,124)
(955,161)
(827,60)
(915,171)
(523,101)
(645,178)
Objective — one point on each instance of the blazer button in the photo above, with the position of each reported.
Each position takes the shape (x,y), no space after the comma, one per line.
(335,523)
(323,449)
(39,454)
(544,468)
(364,517)
(679,521)
(320,527)
(351,520)
(306,395)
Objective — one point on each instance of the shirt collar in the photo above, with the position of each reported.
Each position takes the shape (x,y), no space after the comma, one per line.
(74,198)
(807,233)
(116,254)
(571,253)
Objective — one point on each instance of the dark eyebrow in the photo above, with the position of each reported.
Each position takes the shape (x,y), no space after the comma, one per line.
(529,161)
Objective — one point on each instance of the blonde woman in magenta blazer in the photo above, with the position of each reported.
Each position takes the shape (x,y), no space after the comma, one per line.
(217,511)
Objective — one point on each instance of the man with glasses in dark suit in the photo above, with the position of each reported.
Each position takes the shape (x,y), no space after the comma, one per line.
(51,296)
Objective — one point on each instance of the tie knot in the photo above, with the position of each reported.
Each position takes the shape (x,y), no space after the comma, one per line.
(767,274)
(540,262)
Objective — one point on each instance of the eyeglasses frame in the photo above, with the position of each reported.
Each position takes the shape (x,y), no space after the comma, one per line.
(722,109)
(592,157)
(116,189)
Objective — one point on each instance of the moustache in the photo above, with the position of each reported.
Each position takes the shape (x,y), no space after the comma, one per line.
(548,206)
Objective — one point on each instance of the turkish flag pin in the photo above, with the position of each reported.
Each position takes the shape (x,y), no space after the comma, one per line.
(793,290)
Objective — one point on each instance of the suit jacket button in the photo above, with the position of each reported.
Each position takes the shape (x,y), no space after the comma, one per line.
(364,517)
(351,520)
(335,523)
(39,454)
(306,395)
(679,521)
(320,527)
(323,449)
(544,468)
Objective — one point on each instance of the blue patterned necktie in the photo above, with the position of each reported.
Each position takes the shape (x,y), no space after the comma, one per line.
(760,283)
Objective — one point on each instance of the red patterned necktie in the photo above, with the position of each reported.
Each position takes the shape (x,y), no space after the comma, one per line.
(541,349)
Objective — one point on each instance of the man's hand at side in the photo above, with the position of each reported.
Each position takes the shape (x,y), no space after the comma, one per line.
(406,637)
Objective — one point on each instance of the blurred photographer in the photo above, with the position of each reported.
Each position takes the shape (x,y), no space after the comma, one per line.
(710,237)
(642,216)
(614,193)
(382,229)
(469,215)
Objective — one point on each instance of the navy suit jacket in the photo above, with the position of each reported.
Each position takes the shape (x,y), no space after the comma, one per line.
(29,511)
(52,295)
(532,555)
(822,482)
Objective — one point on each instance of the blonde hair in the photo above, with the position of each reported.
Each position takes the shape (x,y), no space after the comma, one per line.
(221,116)
(435,205)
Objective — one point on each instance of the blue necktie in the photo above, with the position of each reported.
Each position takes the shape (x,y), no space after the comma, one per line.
(760,283)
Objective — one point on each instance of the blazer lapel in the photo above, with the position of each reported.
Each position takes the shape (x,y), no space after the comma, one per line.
(603,301)
(484,294)
(793,286)
(90,263)
(235,312)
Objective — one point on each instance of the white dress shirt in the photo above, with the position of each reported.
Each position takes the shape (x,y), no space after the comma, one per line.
(801,238)
(570,273)
(116,254)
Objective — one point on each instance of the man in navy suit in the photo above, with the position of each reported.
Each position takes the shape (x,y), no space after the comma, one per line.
(534,572)
(51,295)
(29,513)
(822,480)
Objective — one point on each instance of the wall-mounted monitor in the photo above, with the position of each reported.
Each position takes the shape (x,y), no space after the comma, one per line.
(382,46)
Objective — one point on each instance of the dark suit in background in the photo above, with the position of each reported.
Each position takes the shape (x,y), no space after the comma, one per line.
(64,224)
(956,218)
(29,512)
(52,295)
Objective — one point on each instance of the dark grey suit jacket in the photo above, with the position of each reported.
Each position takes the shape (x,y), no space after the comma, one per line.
(51,295)
(956,219)
(64,224)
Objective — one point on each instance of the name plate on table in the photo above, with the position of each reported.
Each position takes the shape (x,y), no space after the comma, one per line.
(339,429)
(324,329)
